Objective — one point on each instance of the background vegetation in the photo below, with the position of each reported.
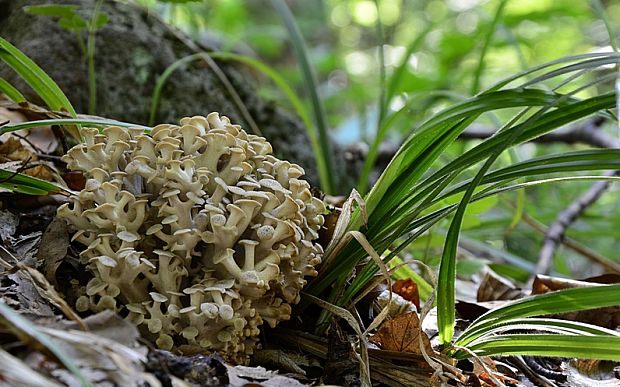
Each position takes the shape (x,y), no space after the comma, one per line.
(435,53)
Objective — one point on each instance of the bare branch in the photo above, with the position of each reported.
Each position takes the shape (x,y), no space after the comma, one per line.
(577,247)
(565,219)
(587,132)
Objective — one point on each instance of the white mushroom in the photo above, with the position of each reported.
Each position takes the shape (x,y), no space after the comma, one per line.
(196,231)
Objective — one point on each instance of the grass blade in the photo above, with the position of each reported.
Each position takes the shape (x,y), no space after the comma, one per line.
(7,128)
(485,46)
(311,83)
(40,82)
(447,267)
(36,78)
(11,92)
(382,104)
(548,325)
(565,345)
(569,300)
(17,182)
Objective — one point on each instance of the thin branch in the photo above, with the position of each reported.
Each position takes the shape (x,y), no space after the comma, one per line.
(554,235)
(565,219)
(588,132)
(577,247)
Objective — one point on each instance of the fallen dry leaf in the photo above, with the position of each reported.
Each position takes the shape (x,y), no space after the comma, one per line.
(47,292)
(402,335)
(407,289)
(494,287)
(241,376)
(16,156)
(17,373)
(13,150)
(56,242)
(544,284)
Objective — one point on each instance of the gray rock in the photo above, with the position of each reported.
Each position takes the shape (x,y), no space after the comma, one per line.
(132,50)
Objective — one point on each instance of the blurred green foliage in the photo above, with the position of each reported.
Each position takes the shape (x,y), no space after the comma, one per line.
(343,41)
(450,42)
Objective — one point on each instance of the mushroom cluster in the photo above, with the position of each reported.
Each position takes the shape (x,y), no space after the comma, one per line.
(195,232)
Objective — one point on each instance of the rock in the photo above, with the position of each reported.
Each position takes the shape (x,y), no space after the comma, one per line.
(132,50)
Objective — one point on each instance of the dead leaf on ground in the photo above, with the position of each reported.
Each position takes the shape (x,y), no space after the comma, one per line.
(8,224)
(407,289)
(100,359)
(199,370)
(16,154)
(18,291)
(590,372)
(285,361)
(55,241)
(17,373)
(402,335)
(39,169)
(47,292)
(494,287)
(42,138)
(12,149)
(240,376)
(486,373)
(543,283)
(75,180)
(106,355)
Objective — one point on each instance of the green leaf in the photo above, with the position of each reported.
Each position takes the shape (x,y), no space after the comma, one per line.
(412,182)
(588,160)
(73,23)
(54,10)
(550,325)
(17,182)
(485,46)
(101,20)
(564,345)
(7,128)
(36,78)
(563,301)
(11,92)
(424,223)
(426,143)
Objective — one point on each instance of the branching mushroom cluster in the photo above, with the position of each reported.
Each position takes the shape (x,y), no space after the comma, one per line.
(195,231)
